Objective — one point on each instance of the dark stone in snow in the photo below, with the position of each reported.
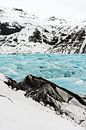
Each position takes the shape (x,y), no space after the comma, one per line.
(62,100)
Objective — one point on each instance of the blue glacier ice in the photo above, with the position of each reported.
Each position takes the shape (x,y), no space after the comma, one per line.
(68,71)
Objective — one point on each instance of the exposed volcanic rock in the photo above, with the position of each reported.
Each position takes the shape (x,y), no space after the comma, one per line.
(63,101)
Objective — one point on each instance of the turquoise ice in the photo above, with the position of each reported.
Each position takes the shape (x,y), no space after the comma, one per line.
(68,71)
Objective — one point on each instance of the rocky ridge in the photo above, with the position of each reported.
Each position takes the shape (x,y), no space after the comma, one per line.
(63,101)
(19,113)
(24,33)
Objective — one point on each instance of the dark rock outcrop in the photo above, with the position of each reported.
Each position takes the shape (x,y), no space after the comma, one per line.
(6,29)
(36,37)
(60,99)
(12,83)
(24,32)
(37,84)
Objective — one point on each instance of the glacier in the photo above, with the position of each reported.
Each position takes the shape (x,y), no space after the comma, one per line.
(68,71)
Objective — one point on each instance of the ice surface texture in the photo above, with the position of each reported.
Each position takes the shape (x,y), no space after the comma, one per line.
(68,71)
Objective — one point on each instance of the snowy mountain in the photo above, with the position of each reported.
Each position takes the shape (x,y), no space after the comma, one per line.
(25,33)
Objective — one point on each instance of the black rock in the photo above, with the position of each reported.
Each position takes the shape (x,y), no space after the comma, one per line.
(42,90)
(62,100)
(6,29)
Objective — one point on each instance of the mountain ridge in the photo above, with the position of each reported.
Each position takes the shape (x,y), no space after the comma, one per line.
(24,33)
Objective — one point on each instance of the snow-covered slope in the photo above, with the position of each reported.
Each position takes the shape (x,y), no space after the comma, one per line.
(24,33)
(19,113)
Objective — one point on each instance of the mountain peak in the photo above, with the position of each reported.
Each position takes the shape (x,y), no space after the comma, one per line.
(21,32)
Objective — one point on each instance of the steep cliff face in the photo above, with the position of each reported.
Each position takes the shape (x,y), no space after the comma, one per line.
(24,33)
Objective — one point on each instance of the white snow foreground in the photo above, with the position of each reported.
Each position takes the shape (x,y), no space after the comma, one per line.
(20,113)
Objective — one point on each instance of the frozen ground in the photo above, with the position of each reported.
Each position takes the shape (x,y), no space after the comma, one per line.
(20,113)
